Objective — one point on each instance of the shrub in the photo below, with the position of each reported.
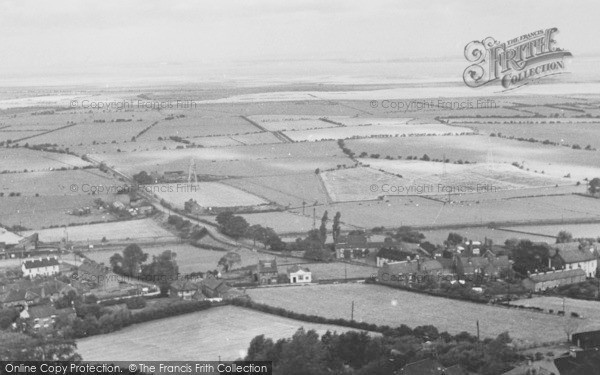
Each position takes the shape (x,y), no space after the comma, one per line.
(135,303)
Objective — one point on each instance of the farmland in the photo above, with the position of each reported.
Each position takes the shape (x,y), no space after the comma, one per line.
(578,231)
(141,229)
(193,259)
(553,160)
(385,306)
(376,130)
(395,211)
(569,132)
(195,125)
(285,190)
(20,159)
(498,236)
(46,211)
(250,160)
(52,183)
(291,122)
(207,194)
(221,332)
(586,309)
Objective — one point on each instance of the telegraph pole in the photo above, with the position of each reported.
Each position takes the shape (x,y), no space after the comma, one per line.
(478,330)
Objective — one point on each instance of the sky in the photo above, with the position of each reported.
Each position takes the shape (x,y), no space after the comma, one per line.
(72,37)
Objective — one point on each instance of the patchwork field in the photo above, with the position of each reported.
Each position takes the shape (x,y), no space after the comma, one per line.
(20,159)
(207,194)
(578,230)
(396,211)
(571,132)
(90,133)
(386,306)
(194,124)
(250,160)
(221,332)
(586,309)
(134,229)
(553,160)
(53,183)
(291,122)
(375,130)
(290,190)
(45,211)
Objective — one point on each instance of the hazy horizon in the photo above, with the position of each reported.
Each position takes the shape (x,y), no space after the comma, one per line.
(75,42)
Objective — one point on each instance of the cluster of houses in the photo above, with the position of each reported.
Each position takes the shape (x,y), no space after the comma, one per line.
(267,272)
(569,263)
(208,288)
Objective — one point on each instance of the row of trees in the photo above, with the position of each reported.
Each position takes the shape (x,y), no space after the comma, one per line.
(360,353)
(237,227)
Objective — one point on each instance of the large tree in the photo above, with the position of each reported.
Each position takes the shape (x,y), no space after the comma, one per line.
(564,237)
(229,259)
(163,270)
(336,227)
(529,257)
(594,186)
(132,260)
(257,233)
(20,347)
(236,227)
(323,228)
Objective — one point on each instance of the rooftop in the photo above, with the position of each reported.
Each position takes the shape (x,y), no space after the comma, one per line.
(41,262)
(556,275)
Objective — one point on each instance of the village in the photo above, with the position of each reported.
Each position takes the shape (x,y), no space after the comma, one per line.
(54,284)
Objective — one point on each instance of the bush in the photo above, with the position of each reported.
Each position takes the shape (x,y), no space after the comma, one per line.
(135,303)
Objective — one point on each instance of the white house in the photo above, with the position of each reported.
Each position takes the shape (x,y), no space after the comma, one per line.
(573,256)
(40,267)
(298,275)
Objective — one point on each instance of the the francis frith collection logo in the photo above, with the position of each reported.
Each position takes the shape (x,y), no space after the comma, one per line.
(515,63)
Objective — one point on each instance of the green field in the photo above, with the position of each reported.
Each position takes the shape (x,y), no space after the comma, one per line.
(385,306)
(143,229)
(222,332)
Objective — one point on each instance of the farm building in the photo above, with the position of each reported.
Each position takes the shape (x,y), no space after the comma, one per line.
(579,362)
(184,289)
(299,275)
(215,288)
(573,255)
(489,264)
(536,282)
(8,238)
(352,246)
(96,275)
(14,246)
(40,267)
(266,272)
(404,273)
(397,252)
